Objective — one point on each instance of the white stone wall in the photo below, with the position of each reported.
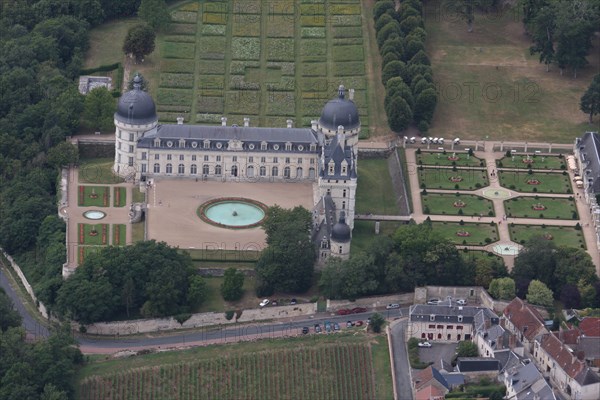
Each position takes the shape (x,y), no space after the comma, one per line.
(345,202)
(126,148)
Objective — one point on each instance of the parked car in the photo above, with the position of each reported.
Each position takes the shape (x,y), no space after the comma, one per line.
(336,326)
(358,323)
(293,302)
(424,344)
(358,310)
(327,326)
(461,302)
(349,324)
(344,311)
(317,328)
(391,306)
(433,302)
(305,330)
(264,303)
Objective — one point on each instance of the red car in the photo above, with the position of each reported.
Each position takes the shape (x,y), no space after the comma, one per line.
(358,323)
(344,311)
(358,310)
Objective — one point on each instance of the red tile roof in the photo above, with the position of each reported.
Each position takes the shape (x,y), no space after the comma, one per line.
(430,392)
(590,326)
(523,316)
(561,355)
(568,336)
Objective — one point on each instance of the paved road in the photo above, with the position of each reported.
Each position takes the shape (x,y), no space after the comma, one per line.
(400,361)
(32,326)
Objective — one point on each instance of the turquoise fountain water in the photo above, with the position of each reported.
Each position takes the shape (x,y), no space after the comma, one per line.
(94,214)
(234,213)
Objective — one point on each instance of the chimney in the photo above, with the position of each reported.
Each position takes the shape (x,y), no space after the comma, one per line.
(487,323)
(314,124)
(500,342)
(351,94)
(246,122)
(223,121)
(179,120)
(512,341)
(290,123)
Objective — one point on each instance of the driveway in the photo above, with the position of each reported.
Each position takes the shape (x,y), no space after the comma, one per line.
(401,365)
(437,352)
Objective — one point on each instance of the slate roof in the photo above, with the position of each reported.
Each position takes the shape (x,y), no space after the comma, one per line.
(327,205)
(136,107)
(423,312)
(589,150)
(454,379)
(590,326)
(224,134)
(590,347)
(423,377)
(340,111)
(338,152)
(507,359)
(526,319)
(567,361)
(477,364)
(527,382)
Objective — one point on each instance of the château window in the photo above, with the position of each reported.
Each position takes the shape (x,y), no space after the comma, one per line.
(143,168)
(157,168)
(234,158)
(193,169)
(157,156)
(218,170)
(263,146)
(180,169)
(205,169)
(193,158)
(274,171)
(286,172)
(344,193)
(169,168)
(299,161)
(218,158)
(263,171)
(251,159)
(263,160)
(275,160)
(131,137)
(288,146)
(207,144)
(144,155)
(331,168)
(130,161)
(169,157)
(287,160)
(205,158)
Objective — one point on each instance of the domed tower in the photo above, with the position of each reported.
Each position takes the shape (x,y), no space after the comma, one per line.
(136,114)
(341,234)
(340,112)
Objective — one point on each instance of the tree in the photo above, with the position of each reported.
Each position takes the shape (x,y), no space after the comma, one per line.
(399,114)
(155,13)
(396,87)
(99,108)
(393,69)
(466,349)
(590,101)
(544,28)
(287,264)
(143,82)
(63,154)
(502,288)
(570,296)
(139,41)
(349,279)
(382,21)
(539,294)
(232,286)
(388,29)
(382,7)
(572,267)
(9,317)
(466,10)
(377,322)
(197,291)
(425,105)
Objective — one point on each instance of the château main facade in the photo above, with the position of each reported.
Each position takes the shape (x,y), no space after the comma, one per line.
(324,154)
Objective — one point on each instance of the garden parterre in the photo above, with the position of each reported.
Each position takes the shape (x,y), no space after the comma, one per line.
(270,61)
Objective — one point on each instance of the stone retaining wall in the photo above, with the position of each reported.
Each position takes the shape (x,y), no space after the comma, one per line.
(199,320)
(370,302)
(221,271)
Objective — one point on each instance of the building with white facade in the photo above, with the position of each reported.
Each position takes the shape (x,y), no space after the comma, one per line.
(325,154)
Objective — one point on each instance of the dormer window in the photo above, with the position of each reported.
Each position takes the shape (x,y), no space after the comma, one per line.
(263,145)
(460,318)
(157,142)
(288,147)
(313,147)
(207,144)
(344,168)
(432,317)
(331,168)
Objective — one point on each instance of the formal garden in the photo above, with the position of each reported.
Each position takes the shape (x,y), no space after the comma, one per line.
(93,196)
(452,178)
(541,207)
(456,204)
(119,237)
(448,158)
(269,61)
(561,235)
(98,171)
(120,196)
(466,233)
(532,161)
(534,182)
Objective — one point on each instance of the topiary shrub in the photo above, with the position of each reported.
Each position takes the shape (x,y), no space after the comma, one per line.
(575,215)
(418,151)
(578,226)
(229,315)
(461,222)
(488,240)
(490,213)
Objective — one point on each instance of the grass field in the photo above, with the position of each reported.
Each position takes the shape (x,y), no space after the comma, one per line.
(478,233)
(84,251)
(340,366)
(363,233)
(375,193)
(98,170)
(215,303)
(490,86)
(96,234)
(442,178)
(221,255)
(562,236)
(103,40)
(137,232)
(537,162)
(120,196)
(559,208)
(119,237)
(441,203)
(439,158)
(547,182)
(93,196)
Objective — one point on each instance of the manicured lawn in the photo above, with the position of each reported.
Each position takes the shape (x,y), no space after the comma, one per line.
(250,254)
(478,233)
(93,196)
(98,170)
(548,182)
(442,178)
(120,196)
(491,86)
(375,193)
(119,237)
(103,40)
(538,162)
(363,233)
(214,301)
(562,236)
(138,196)
(137,231)
(441,203)
(555,208)
(447,158)
(84,251)
(349,364)
(96,234)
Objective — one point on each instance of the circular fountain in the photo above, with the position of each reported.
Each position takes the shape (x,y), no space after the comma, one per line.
(233,213)
(94,214)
